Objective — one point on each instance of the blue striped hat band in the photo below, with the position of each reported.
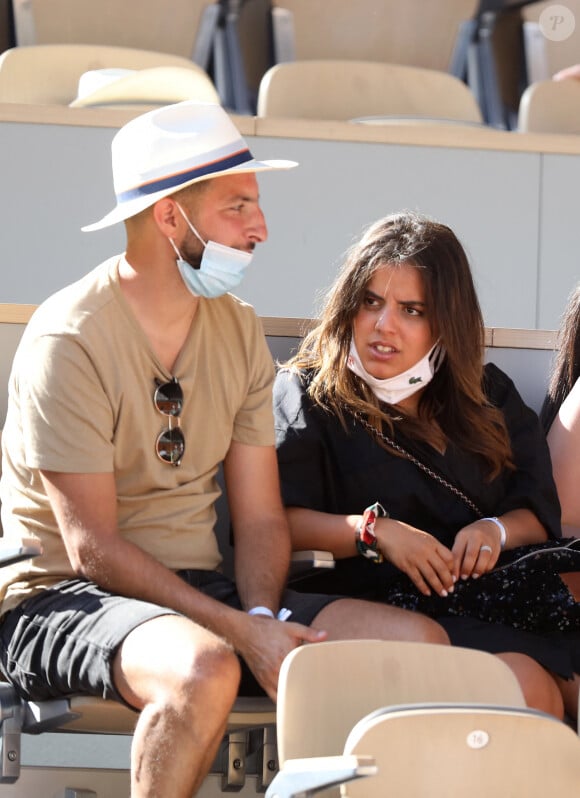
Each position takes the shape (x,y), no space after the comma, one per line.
(179,178)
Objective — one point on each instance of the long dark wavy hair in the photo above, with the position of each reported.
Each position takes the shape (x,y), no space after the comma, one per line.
(454,401)
(566,365)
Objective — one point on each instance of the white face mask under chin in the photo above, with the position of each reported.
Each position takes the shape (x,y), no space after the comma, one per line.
(221,269)
(394,389)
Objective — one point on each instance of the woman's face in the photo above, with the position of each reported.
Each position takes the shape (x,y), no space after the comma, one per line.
(392,328)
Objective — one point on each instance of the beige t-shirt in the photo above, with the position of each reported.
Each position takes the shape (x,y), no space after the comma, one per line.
(81,401)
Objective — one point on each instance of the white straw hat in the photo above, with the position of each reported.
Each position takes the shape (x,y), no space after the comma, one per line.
(95,80)
(160,85)
(165,150)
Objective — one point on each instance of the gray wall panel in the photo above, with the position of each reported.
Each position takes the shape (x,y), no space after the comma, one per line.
(56,178)
(559,236)
(491,200)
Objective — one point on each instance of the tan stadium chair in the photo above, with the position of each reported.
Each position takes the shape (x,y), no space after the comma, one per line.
(326,688)
(414,32)
(443,750)
(473,750)
(550,106)
(49,74)
(345,90)
(169,26)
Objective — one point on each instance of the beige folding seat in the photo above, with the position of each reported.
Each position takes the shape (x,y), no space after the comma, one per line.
(342,90)
(48,74)
(413,719)
(325,688)
(550,106)
(414,32)
(170,26)
(458,750)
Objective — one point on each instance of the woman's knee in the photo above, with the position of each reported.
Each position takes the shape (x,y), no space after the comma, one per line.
(539,687)
(357,619)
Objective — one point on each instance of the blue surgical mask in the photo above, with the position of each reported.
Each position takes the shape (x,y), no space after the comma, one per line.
(221,269)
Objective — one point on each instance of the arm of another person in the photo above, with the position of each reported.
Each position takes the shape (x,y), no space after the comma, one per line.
(564,443)
(85,507)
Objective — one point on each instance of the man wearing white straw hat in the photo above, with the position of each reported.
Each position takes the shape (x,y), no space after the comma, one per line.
(128,390)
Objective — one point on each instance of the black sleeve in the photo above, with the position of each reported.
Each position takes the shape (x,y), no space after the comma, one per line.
(301,455)
(531,485)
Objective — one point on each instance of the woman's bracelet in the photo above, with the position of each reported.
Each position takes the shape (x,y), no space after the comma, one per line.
(502,530)
(367,544)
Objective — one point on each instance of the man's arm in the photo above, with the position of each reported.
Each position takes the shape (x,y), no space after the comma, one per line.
(262,556)
(261,534)
(85,508)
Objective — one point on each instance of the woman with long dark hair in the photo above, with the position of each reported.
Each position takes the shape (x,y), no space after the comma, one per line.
(417,465)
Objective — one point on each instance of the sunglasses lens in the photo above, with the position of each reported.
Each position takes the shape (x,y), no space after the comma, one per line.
(168,398)
(170,446)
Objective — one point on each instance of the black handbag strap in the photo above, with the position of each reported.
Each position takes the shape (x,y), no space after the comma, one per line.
(425,468)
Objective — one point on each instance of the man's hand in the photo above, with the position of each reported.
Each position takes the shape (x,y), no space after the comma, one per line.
(264,642)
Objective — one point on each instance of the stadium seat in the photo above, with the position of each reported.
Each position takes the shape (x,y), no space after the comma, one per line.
(550,106)
(325,689)
(414,32)
(342,89)
(49,74)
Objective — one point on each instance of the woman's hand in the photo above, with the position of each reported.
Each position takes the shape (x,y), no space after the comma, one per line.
(428,563)
(476,549)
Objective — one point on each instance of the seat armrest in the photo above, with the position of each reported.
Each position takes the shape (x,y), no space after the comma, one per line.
(305,777)
(14,552)
(307,562)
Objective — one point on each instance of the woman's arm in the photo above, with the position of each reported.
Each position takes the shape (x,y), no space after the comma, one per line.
(426,561)
(311,529)
(564,443)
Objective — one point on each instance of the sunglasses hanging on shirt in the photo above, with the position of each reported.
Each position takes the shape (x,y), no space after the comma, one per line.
(170,443)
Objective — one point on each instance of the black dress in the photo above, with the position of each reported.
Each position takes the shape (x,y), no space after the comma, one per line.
(327,468)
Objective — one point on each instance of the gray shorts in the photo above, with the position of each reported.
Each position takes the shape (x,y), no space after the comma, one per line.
(62,641)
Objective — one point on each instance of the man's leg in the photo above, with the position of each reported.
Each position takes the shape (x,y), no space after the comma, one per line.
(184,680)
(356,619)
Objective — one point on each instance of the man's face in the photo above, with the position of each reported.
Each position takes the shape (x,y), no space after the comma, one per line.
(227,211)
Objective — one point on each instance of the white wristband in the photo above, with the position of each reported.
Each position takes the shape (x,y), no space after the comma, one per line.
(261,611)
(502,530)
(283,615)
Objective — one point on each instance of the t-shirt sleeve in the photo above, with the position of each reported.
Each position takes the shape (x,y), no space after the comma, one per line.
(254,423)
(299,444)
(67,421)
(531,485)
